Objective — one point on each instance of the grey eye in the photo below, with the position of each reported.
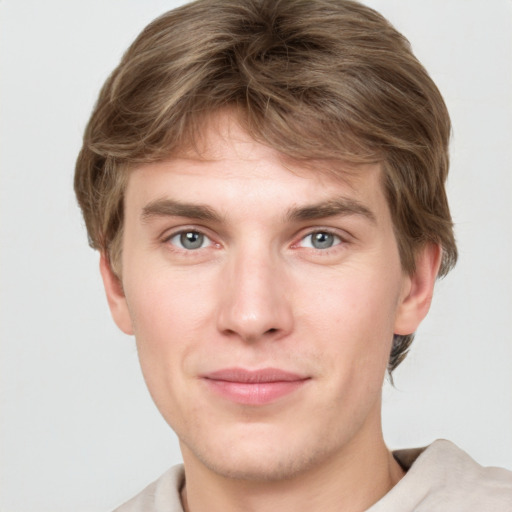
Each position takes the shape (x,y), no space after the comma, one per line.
(320,240)
(190,240)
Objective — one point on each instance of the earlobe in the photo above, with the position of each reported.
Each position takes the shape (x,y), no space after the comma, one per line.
(115,296)
(418,290)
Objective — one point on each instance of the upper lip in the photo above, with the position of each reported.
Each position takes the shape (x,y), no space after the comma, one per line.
(263,375)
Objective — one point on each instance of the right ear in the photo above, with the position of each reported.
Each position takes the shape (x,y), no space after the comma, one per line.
(115,296)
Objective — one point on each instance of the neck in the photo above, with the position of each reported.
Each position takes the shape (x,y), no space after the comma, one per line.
(351,481)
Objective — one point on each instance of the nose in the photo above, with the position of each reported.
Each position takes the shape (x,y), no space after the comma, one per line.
(254,301)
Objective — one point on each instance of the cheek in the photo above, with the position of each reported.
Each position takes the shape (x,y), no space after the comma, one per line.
(354,303)
(165,303)
(166,319)
(168,315)
(353,319)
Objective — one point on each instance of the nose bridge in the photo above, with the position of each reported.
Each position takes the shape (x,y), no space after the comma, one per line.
(254,302)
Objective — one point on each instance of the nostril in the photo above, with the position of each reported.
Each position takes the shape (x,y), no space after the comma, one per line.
(270,331)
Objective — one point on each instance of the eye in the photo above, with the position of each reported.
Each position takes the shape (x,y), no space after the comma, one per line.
(190,240)
(320,240)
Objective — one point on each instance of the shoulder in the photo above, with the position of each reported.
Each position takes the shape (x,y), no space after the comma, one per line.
(444,478)
(458,479)
(163,495)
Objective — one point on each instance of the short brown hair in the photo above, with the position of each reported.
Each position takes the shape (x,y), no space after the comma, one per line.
(314,79)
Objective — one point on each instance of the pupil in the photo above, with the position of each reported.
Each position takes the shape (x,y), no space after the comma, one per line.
(191,240)
(322,240)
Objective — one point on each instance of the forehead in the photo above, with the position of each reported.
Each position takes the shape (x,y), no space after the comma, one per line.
(223,134)
(225,151)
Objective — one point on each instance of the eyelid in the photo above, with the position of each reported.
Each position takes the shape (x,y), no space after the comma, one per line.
(205,240)
(336,241)
(168,234)
(343,235)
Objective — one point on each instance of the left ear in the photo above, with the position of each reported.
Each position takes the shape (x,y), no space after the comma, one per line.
(418,289)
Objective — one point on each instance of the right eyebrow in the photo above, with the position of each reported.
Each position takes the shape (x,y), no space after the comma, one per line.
(173,208)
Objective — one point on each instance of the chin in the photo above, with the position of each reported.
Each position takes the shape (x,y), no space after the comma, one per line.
(261,460)
(264,468)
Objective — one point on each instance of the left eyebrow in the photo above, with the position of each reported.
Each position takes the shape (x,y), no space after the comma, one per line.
(331,208)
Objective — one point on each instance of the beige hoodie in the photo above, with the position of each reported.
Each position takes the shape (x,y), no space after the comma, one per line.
(440,478)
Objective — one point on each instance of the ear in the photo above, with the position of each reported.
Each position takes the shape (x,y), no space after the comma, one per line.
(115,296)
(418,290)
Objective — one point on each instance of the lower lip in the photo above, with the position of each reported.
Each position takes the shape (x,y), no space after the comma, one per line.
(255,393)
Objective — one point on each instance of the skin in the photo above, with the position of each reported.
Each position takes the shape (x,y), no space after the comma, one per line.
(258,293)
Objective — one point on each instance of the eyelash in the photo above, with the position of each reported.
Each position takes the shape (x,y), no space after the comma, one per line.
(167,239)
(339,240)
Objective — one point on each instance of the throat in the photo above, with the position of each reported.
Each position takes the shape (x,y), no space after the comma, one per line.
(304,493)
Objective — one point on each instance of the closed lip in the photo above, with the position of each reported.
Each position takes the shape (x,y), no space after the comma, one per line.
(264,375)
(254,387)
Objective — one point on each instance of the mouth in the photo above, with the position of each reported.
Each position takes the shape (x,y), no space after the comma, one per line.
(254,387)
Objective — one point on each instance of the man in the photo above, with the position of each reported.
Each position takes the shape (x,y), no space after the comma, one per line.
(265,183)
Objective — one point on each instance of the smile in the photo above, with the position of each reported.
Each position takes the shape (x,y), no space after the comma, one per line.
(258,387)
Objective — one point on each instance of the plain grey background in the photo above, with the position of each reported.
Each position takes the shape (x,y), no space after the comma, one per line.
(78,429)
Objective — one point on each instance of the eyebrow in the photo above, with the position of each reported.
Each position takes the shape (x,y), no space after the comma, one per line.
(173,208)
(331,208)
(324,209)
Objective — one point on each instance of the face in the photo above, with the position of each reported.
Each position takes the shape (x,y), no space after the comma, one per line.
(263,297)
